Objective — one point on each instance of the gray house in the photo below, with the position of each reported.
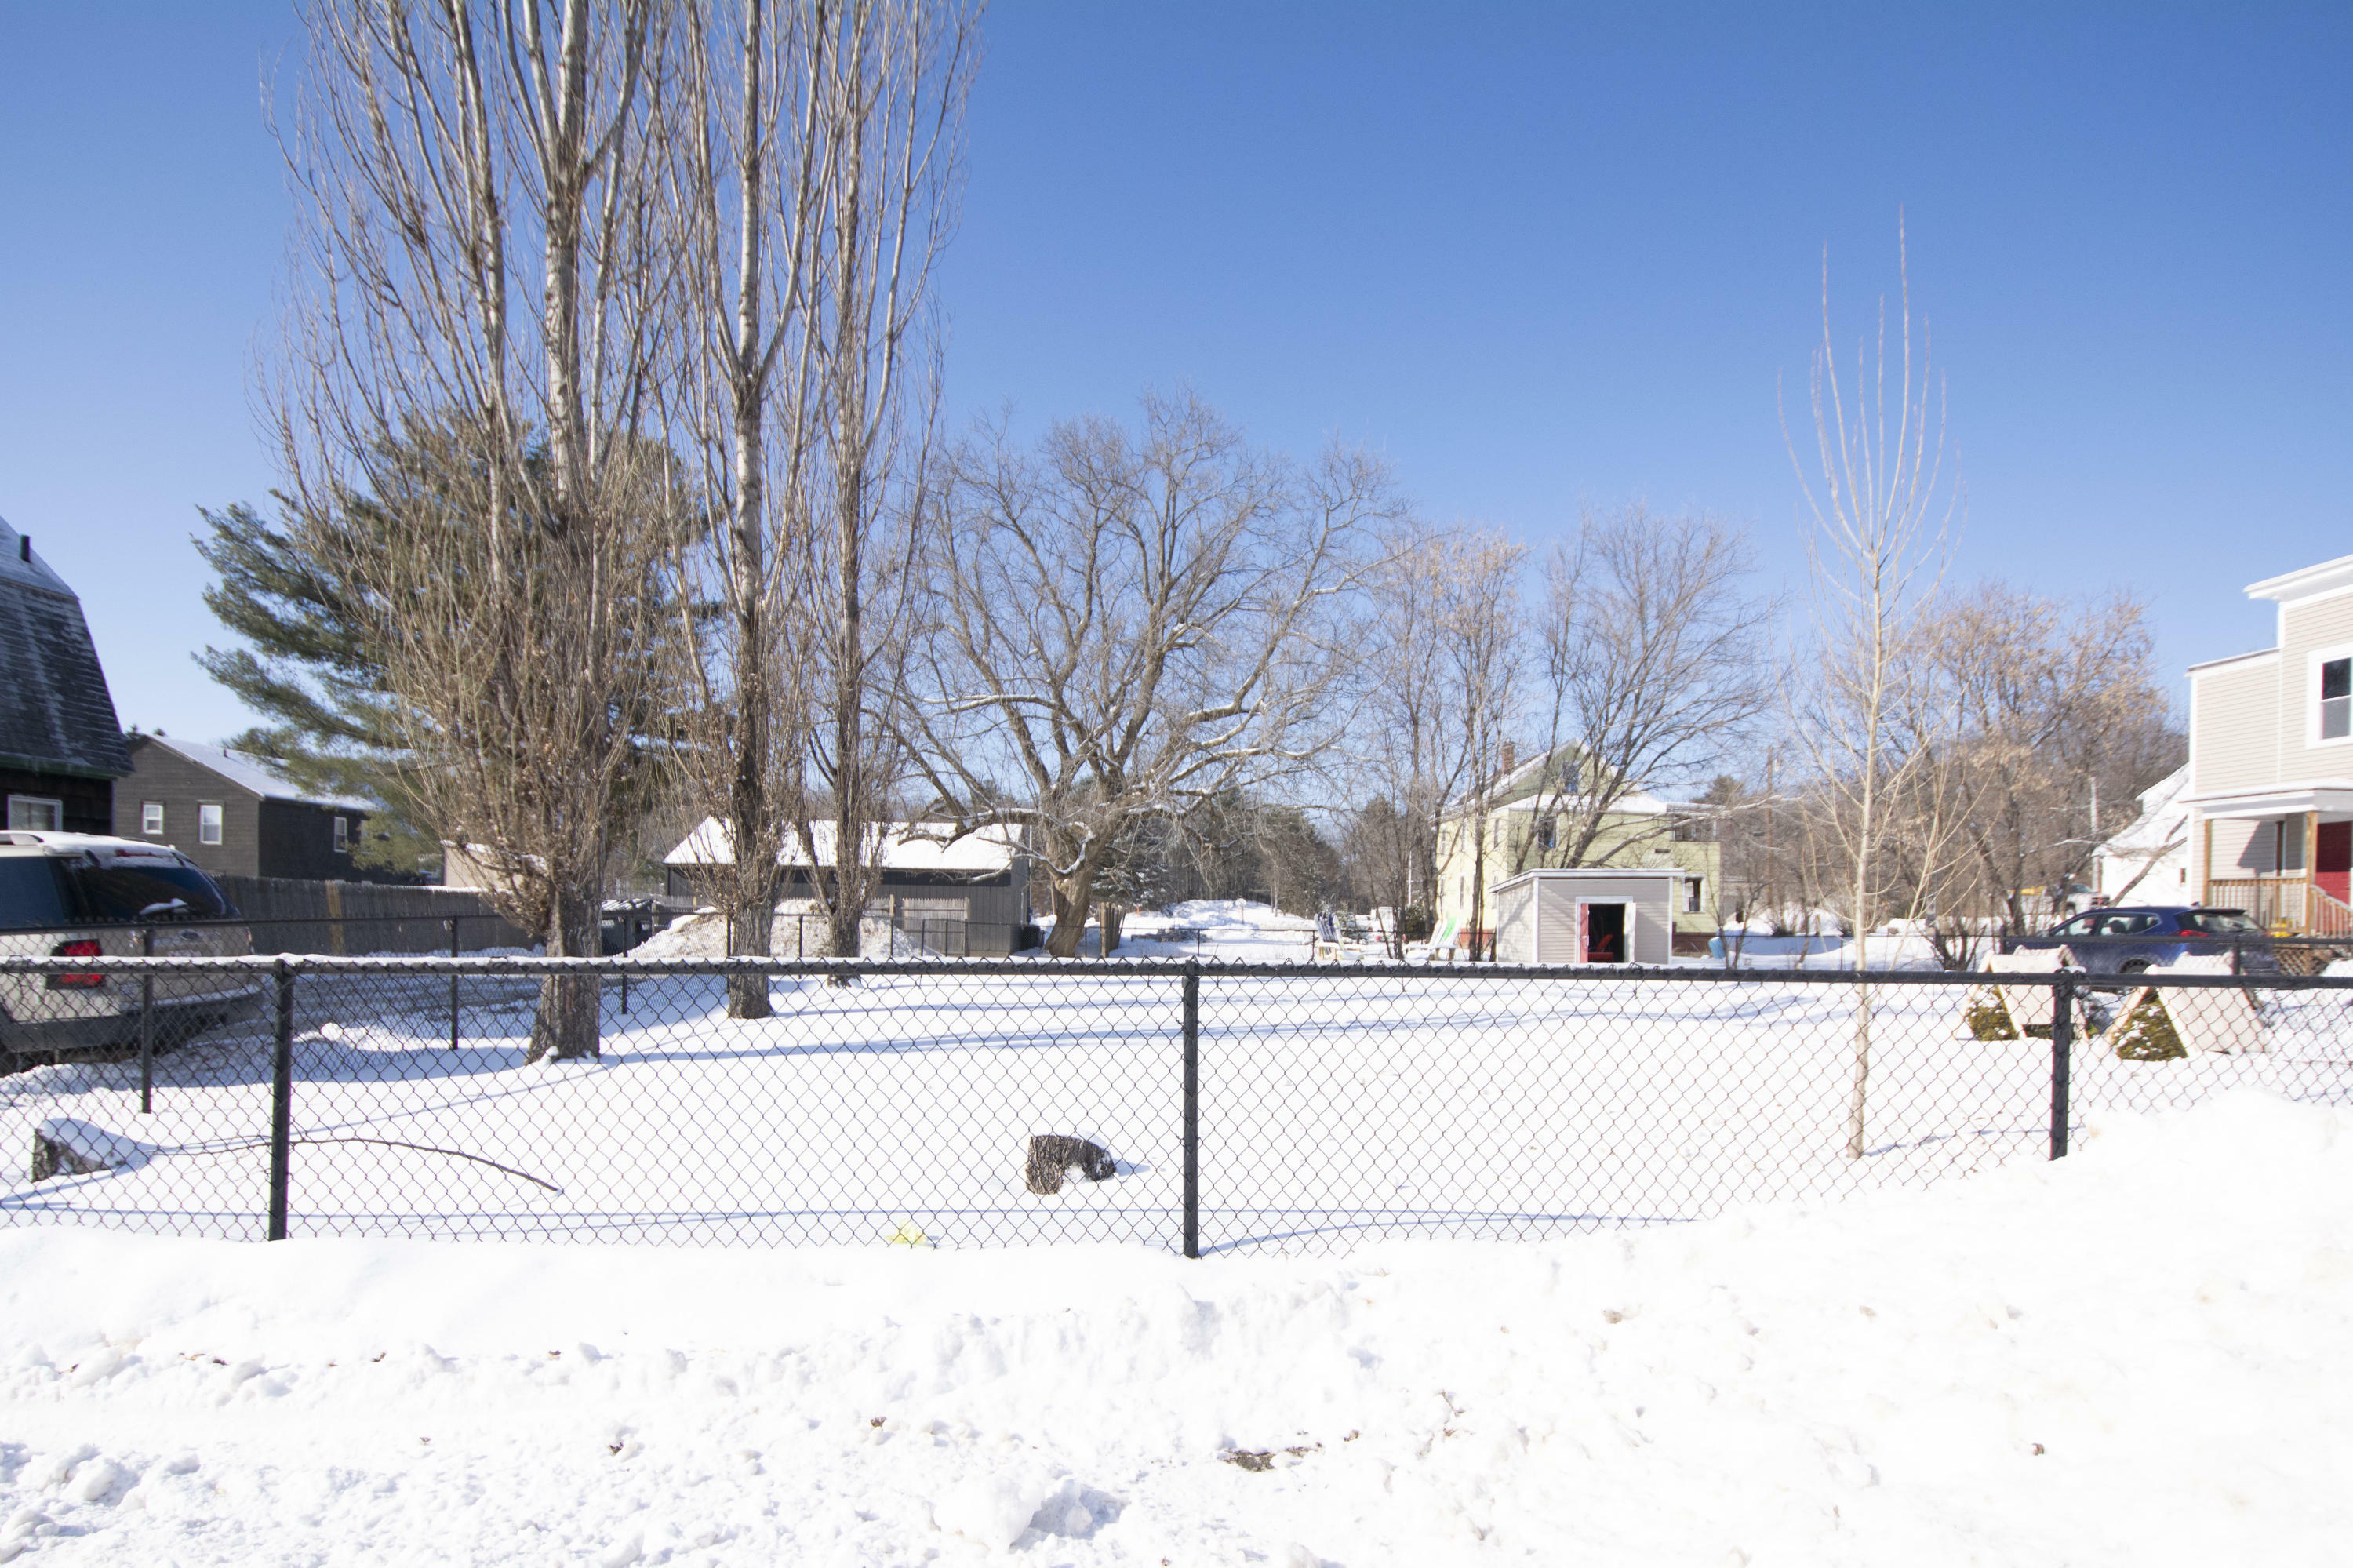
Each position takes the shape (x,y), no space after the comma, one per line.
(60,745)
(971,896)
(234,818)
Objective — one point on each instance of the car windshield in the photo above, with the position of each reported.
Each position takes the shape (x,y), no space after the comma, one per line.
(30,894)
(149,892)
(2222,923)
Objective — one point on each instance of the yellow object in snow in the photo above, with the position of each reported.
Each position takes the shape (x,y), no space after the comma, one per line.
(908,1235)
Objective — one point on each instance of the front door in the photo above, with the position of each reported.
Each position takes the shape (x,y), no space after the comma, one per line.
(2332,860)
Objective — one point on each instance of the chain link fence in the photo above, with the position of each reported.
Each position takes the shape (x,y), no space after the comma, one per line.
(1198,1106)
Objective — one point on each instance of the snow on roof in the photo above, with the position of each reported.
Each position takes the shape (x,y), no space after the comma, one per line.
(247,773)
(55,712)
(2163,817)
(911,846)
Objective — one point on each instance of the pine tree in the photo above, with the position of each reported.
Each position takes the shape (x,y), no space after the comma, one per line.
(307,669)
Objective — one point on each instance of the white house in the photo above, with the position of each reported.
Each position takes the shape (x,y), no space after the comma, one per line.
(2148,861)
(2270,798)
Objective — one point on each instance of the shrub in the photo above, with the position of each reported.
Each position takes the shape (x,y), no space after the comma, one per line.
(1987,1017)
(2144,1032)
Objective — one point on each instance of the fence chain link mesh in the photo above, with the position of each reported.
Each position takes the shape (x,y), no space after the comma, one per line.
(897,1102)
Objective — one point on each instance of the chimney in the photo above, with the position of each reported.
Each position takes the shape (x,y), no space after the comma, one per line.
(1511,755)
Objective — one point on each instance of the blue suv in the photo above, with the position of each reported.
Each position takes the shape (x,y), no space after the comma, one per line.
(2128,941)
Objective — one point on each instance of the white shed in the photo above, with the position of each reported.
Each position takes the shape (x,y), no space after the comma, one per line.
(1589,915)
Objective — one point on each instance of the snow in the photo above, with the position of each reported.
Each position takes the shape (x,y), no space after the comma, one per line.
(1336,1108)
(2128,1357)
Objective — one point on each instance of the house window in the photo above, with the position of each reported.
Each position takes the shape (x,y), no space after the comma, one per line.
(1545,832)
(209,824)
(37,813)
(151,818)
(2336,698)
(1691,896)
(342,836)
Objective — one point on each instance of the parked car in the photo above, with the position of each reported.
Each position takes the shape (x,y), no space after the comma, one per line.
(77,895)
(2130,939)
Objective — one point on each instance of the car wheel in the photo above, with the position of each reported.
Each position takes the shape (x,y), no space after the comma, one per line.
(2132,966)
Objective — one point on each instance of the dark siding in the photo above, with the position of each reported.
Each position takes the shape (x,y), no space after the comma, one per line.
(89,802)
(299,839)
(259,837)
(55,714)
(159,773)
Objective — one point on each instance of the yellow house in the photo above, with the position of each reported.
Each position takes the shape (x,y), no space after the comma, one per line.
(1531,826)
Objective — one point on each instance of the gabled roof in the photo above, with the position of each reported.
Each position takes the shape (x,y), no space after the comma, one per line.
(251,776)
(1536,782)
(56,714)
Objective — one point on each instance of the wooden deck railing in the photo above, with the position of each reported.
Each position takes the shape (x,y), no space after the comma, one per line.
(2290,900)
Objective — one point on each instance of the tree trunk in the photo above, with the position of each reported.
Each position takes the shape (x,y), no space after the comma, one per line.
(565,1027)
(1073,895)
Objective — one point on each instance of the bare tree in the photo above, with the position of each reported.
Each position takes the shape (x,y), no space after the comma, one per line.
(1658,664)
(1881,514)
(474,342)
(744,189)
(1413,747)
(1128,628)
(1482,657)
(2047,703)
(893,83)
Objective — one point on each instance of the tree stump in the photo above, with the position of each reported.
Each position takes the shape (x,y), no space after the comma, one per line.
(1052,1155)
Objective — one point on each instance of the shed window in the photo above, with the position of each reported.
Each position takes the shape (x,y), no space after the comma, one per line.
(2336,699)
(151,818)
(37,813)
(342,836)
(208,823)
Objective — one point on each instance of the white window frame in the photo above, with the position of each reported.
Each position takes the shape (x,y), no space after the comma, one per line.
(2312,663)
(56,810)
(211,822)
(151,819)
(343,835)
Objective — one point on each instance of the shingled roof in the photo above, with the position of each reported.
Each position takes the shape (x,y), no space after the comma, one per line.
(55,714)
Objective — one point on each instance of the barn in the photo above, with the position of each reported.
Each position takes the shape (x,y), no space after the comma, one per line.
(1587,914)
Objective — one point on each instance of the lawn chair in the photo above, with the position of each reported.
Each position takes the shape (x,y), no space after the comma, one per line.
(1445,942)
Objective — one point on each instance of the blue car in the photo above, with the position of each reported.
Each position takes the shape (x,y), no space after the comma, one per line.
(2125,941)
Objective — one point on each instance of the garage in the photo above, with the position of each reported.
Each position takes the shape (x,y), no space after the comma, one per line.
(1591,914)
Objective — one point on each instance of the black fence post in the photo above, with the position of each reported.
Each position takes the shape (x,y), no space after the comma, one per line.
(281,1102)
(1192,1131)
(453,982)
(2062,1041)
(147,1024)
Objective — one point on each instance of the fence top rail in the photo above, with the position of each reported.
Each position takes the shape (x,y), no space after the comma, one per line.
(1140,969)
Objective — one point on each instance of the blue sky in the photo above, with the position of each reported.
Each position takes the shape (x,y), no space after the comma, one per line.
(1537,255)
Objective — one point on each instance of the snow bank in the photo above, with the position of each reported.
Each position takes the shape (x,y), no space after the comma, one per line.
(2121,1358)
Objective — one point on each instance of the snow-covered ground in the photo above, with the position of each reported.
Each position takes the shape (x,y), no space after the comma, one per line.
(2133,1356)
(1336,1108)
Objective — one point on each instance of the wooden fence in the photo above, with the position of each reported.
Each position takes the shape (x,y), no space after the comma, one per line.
(290,916)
